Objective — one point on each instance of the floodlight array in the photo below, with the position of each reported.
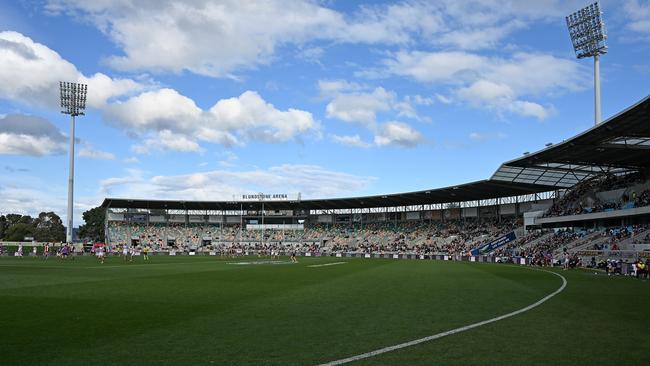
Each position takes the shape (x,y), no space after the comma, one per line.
(73,98)
(587,31)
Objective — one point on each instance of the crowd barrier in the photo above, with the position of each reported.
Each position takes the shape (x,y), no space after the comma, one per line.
(386,255)
(586,255)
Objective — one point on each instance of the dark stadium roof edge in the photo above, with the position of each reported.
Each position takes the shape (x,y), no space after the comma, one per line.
(618,145)
(480,190)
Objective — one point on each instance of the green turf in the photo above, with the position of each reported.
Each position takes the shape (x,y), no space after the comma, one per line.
(203,311)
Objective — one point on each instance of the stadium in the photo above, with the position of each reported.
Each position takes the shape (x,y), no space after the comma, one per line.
(546,261)
(596,181)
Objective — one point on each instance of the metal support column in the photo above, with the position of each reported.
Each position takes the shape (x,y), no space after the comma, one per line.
(68,236)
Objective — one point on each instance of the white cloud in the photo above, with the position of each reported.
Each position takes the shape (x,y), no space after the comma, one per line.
(406,107)
(431,67)
(539,74)
(91,153)
(332,88)
(354,140)
(30,194)
(25,199)
(163,109)
(397,133)
(486,90)
(180,123)
(638,14)
(36,70)
(392,24)
(525,73)
(101,88)
(498,84)
(311,54)
(131,160)
(312,181)
(443,99)
(168,141)
(229,159)
(175,120)
(29,135)
(135,176)
(420,100)
(356,103)
(500,97)
(480,38)
(244,35)
(479,136)
(360,107)
(250,116)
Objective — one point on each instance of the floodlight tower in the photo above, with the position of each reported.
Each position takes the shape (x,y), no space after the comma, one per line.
(587,31)
(73,102)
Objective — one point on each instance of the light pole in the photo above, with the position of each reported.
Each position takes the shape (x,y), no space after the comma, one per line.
(587,31)
(73,102)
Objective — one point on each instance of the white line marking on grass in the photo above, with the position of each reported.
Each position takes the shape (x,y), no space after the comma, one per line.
(129,265)
(326,264)
(35,265)
(249,263)
(450,332)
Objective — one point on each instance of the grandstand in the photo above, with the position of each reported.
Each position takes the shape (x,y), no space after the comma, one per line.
(588,195)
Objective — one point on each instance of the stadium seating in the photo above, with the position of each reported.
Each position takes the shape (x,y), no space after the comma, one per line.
(604,193)
(439,237)
(451,237)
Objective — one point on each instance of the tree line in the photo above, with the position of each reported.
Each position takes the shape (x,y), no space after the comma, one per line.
(48,227)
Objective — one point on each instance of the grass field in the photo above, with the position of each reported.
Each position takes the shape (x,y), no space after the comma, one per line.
(208,311)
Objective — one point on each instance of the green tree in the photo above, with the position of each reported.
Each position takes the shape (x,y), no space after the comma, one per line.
(93,228)
(13,219)
(3,226)
(49,227)
(19,231)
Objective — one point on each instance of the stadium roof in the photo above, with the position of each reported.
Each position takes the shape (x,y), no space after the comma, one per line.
(619,144)
(485,189)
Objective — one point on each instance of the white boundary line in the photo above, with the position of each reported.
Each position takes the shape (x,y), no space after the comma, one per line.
(131,265)
(326,264)
(259,262)
(453,331)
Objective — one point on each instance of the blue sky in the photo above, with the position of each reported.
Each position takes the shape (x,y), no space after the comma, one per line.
(206,100)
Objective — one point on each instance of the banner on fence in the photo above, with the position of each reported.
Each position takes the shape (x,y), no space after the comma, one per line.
(491,246)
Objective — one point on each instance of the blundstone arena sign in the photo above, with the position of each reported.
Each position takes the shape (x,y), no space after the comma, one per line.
(272,197)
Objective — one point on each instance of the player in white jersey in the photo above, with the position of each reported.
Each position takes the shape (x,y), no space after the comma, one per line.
(99,252)
(125,252)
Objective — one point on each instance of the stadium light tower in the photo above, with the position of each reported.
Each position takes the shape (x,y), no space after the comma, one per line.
(587,31)
(73,102)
